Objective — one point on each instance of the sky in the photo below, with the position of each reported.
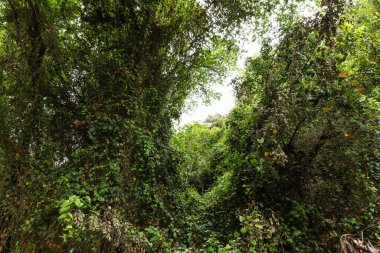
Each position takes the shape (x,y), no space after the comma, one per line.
(227,100)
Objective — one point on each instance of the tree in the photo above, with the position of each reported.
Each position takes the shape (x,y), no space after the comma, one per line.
(89,90)
(305,129)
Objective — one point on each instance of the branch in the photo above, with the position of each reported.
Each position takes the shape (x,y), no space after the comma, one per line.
(288,147)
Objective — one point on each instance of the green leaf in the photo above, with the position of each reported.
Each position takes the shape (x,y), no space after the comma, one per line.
(78,203)
(63,216)
(64,209)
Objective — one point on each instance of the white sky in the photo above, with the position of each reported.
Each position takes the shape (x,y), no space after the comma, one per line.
(227,99)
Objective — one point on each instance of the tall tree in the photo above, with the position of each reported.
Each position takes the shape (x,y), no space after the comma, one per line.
(89,90)
(306,129)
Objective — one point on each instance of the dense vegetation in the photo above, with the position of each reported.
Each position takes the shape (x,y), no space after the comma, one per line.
(90,160)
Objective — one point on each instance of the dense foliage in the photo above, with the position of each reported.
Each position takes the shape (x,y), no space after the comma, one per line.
(90,160)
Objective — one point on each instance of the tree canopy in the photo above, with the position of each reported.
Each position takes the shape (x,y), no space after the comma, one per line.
(90,160)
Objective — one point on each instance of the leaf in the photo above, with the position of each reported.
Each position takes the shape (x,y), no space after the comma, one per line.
(66,216)
(154,238)
(343,74)
(64,209)
(328,108)
(254,162)
(65,203)
(360,89)
(88,198)
(62,216)
(78,203)
(68,227)
(243,230)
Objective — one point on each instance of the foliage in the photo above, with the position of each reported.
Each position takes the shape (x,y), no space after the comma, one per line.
(89,158)
(89,90)
(307,129)
(197,144)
